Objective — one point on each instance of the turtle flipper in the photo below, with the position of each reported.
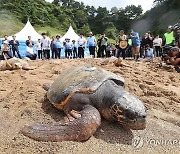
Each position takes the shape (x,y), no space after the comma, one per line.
(46,86)
(29,67)
(77,130)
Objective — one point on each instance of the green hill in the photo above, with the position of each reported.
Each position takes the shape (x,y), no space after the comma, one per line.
(156,20)
(55,18)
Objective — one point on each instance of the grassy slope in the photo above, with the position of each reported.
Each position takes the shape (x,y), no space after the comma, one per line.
(10,25)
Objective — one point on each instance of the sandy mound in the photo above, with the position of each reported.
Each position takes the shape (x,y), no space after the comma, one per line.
(22,103)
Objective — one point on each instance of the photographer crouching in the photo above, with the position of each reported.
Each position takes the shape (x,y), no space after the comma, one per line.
(173,56)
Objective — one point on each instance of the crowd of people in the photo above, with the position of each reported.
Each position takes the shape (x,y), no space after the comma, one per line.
(131,45)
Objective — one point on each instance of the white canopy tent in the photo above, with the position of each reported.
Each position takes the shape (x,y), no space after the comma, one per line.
(70,34)
(28,30)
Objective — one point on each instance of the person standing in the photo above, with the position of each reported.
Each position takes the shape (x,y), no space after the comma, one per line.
(91,41)
(53,49)
(39,49)
(122,44)
(104,40)
(14,45)
(99,46)
(168,38)
(74,49)
(58,46)
(135,44)
(68,48)
(81,45)
(157,43)
(46,42)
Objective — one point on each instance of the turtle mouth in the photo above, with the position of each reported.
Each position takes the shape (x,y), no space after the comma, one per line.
(135,124)
(134,121)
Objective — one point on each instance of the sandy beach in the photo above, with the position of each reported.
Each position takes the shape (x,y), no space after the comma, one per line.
(22,103)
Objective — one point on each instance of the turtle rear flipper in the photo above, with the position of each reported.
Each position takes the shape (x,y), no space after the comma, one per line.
(29,67)
(77,130)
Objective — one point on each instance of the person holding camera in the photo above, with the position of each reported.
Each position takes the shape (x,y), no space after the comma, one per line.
(148,39)
(148,53)
(174,57)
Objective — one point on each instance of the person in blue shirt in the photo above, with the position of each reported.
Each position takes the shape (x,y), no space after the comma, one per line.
(58,46)
(68,48)
(135,44)
(148,52)
(91,42)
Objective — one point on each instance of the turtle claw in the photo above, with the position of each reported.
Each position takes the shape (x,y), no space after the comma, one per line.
(70,118)
(75,114)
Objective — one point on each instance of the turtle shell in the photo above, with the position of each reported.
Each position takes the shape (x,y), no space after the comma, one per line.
(79,80)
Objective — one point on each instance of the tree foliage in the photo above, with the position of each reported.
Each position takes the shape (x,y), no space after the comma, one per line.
(163,14)
(61,13)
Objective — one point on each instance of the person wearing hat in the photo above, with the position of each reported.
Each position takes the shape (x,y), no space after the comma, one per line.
(122,44)
(135,44)
(58,46)
(14,44)
(168,38)
(5,49)
(68,48)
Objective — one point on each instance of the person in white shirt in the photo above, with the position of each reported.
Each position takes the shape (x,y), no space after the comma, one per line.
(46,42)
(81,45)
(39,49)
(157,43)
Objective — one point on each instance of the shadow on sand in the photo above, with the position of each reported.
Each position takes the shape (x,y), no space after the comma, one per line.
(109,132)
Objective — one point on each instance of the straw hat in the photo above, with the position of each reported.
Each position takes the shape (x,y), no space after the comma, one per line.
(123,44)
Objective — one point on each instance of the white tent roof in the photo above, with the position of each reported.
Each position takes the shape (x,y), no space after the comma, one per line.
(28,30)
(70,34)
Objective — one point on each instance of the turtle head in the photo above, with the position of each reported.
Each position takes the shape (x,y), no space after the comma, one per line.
(17,66)
(129,111)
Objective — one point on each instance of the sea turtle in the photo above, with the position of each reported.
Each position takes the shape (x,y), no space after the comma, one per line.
(15,63)
(113,61)
(85,94)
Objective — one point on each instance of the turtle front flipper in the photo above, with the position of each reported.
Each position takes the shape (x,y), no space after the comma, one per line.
(79,129)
